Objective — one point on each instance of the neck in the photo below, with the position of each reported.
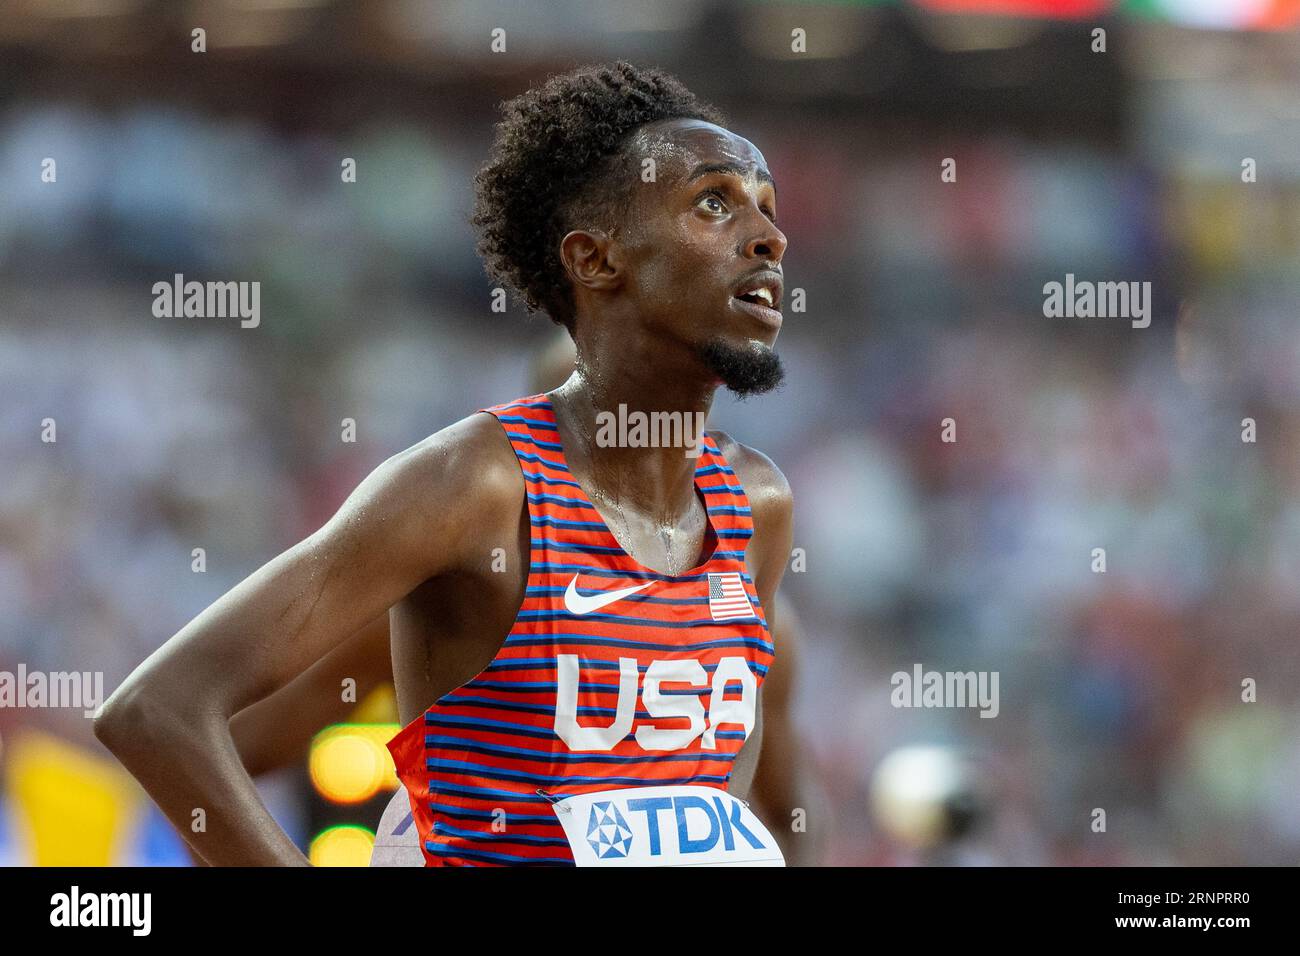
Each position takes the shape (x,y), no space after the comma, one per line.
(618,410)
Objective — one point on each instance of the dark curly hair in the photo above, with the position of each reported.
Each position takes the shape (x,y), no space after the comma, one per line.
(557,163)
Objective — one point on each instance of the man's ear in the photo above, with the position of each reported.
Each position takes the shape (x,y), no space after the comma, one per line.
(592,260)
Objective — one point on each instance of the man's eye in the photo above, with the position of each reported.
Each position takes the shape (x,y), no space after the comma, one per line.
(712,203)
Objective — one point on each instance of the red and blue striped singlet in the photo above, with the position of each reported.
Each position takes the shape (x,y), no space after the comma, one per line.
(591,690)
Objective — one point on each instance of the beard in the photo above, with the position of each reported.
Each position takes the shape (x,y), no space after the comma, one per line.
(745,370)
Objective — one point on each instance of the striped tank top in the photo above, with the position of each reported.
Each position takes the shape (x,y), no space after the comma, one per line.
(611,676)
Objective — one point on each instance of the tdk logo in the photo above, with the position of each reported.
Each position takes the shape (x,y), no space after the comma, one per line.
(675,825)
(607,831)
(724,827)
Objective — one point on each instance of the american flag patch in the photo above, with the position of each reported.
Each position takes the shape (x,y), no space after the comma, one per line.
(727,597)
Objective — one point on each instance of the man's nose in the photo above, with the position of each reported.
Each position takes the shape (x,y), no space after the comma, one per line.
(767,244)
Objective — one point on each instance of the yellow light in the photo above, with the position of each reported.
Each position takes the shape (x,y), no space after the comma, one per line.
(72,807)
(377,707)
(342,846)
(350,763)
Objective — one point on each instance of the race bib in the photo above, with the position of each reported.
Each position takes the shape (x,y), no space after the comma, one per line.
(665,826)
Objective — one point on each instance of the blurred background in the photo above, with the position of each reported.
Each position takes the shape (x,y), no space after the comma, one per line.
(1119,691)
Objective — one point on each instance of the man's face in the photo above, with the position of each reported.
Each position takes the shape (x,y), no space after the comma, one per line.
(702,250)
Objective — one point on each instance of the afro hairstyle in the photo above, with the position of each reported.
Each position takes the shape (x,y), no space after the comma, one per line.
(558,163)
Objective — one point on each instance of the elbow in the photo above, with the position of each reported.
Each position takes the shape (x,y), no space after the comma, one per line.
(133,719)
(117,718)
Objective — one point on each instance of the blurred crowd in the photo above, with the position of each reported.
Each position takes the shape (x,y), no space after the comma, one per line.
(1120,690)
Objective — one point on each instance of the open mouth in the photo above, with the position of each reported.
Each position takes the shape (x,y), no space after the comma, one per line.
(759,297)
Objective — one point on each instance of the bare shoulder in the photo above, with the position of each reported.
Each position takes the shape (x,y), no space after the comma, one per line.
(766,487)
(773,505)
(451,487)
(473,451)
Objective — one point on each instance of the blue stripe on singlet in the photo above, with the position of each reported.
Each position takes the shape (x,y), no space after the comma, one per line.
(445,849)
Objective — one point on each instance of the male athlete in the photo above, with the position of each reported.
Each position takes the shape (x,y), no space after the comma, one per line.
(277,731)
(570,617)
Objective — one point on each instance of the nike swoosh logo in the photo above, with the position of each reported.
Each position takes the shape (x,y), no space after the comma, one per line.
(576,603)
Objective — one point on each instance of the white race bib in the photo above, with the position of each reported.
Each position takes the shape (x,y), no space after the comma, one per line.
(665,826)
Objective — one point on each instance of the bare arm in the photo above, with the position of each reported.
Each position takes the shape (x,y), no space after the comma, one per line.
(775,789)
(169,722)
(746,763)
(277,731)
(765,558)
